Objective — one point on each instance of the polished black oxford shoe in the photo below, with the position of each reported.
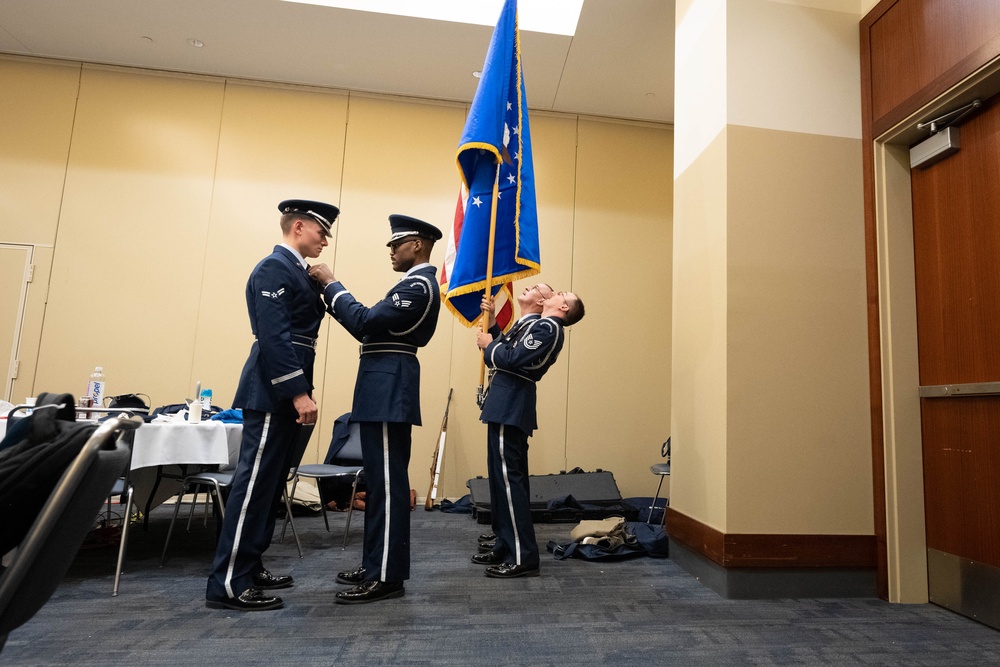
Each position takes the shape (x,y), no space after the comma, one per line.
(266,581)
(252,599)
(488,558)
(511,571)
(371,591)
(352,578)
(487,537)
(487,546)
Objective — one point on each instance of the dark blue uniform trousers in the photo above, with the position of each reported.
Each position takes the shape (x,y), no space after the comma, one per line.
(265,458)
(385,453)
(510,495)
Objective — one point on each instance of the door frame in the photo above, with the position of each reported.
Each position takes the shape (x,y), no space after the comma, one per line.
(22,304)
(906,544)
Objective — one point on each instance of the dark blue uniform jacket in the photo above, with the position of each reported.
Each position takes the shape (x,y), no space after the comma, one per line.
(388,384)
(520,359)
(285,310)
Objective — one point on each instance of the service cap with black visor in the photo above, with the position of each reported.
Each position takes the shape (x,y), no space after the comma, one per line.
(403,227)
(323,213)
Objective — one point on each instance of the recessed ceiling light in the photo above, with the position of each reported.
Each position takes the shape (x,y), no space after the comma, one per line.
(558,17)
(197,43)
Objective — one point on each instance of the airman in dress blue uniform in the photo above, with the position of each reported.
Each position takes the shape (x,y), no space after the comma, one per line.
(530,303)
(519,360)
(275,393)
(387,400)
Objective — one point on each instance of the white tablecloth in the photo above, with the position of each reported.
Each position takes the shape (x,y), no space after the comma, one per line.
(208,442)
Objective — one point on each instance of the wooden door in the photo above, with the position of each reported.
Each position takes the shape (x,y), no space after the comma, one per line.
(956,225)
(15,261)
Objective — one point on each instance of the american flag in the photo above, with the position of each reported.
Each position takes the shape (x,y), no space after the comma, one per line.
(504,296)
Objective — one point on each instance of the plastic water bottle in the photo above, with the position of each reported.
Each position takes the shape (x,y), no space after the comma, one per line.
(206,400)
(96,389)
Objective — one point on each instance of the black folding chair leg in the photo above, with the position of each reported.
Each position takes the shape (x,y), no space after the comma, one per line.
(288,512)
(126,522)
(322,506)
(170,530)
(350,512)
(289,519)
(656,496)
(194,503)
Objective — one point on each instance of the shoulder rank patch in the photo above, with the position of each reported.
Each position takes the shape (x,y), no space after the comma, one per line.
(401,303)
(530,342)
(272,295)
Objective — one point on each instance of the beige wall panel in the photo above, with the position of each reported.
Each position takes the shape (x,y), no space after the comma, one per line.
(275,144)
(130,252)
(699,77)
(619,371)
(399,158)
(465,452)
(36,114)
(793,68)
(699,342)
(799,432)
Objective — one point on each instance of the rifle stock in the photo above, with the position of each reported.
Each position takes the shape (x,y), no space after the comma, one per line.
(438,457)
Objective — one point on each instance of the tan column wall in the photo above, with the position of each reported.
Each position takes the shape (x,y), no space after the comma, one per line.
(157,194)
(792,453)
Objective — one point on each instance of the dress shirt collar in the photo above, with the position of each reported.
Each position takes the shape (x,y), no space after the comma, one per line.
(415,268)
(295,253)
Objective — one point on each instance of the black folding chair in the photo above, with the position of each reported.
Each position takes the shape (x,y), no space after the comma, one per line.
(45,554)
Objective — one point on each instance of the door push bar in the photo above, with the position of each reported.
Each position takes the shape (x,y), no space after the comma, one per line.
(967,389)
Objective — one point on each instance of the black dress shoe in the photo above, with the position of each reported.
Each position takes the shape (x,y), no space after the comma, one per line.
(487,537)
(487,546)
(352,578)
(371,591)
(252,599)
(488,558)
(266,581)
(511,571)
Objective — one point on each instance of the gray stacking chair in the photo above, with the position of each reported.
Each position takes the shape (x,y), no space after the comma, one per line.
(216,481)
(351,451)
(661,470)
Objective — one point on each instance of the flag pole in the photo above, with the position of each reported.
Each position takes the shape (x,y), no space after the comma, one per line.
(484,321)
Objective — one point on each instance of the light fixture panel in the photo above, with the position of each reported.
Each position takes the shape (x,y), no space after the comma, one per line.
(557,17)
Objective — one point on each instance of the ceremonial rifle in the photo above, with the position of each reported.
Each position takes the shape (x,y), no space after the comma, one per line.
(438,458)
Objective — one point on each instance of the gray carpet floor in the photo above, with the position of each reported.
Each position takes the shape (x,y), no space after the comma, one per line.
(641,611)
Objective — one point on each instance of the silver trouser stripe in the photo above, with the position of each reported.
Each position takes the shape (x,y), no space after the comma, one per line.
(285,378)
(510,501)
(388,505)
(243,509)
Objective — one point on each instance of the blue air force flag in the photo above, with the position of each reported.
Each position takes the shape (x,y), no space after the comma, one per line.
(496,138)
